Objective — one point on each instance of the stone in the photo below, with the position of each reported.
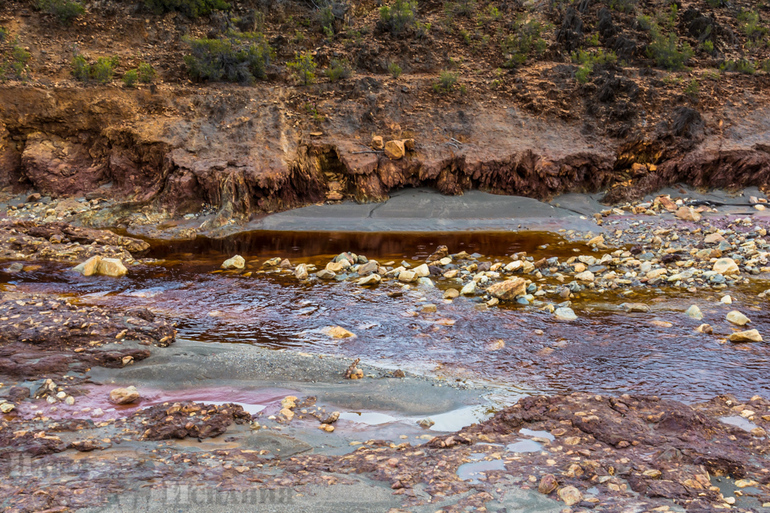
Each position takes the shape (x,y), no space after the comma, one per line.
(112,267)
(372,279)
(687,214)
(508,290)
(570,495)
(713,238)
(289,402)
(547,484)
(495,345)
(90,267)
(126,395)
(236,262)
(565,314)
(428,308)
(421,271)
(469,289)
(725,266)
(586,276)
(705,328)
(336,267)
(7,407)
(597,241)
(726,300)
(377,142)
(325,274)
(395,150)
(407,276)
(301,272)
(746,336)
(451,293)
(694,312)
(635,307)
(425,282)
(337,332)
(409,144)
(655,273)
(737,318)
(287,414)
(367,268)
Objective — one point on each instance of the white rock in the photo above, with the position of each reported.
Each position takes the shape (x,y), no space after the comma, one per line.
(407,276)
(565,314)
(746,336)
(236,262)
(726,266)
(727,300)
(124,395)
(372,279)
(737,318)
(585,276)
(694,312)
(469,289)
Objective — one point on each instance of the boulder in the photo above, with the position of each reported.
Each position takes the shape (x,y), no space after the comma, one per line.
(126,395)
(469,289)
(395,150)
(421,271)
(694,313)
(89,267)
(746,336)
(372,279)
(236,262)
(565,314)
(325,274)
(547,484)
(111,267)
(635,307)
(570,495)
(687,214)
(407,276)
(509,289)
(737,318)
(301,272)
(726,266)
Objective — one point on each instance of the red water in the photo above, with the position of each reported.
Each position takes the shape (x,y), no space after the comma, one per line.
(605,351)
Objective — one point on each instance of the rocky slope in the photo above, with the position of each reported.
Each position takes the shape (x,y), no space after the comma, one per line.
(531,129)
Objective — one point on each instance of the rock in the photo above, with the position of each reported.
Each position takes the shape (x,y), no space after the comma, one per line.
(425,282)
(367,268)
(509,289)
(597,241)
(725,266)
(495,345)
(301,272)
(586,276)
(287,414)
(236,262)
(656,273)
(377,142)
(332,418)
(441,253)
(565,314)
(7,407)
(726,300)
(271,262)
(111,267)
(395,150)
(694,312)
(124,395)
(407,276)
(425,423)
(713,238)
(428,308)
(687,214)
(737,318)
(337,332)
(635,307)
(746,336)
(421,271)
(90,267)
(409,144)
(325,274)
(289,402)
(705,328)
(336,267)
(547,484)
(469,289)
(372,279)
(570,495)
(451,293)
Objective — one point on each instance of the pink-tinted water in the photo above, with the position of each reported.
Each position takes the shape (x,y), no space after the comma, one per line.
(606,350)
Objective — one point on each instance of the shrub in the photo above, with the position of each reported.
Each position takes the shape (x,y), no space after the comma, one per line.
(303,67)
(526,42)
(708,46)
(64,10)
(81,70)
(765,66)
(399,17)
(130,78)
(190,8)
(460,8)
(18,62)
(644,22)
(103,69)
(326,19)
(744,66)
(693,89)
(589,61)
(239,57)
(146,73)
(624,6)
(394,70)
(338,69)
(3,34)
(751,26)
(446,82)
(665,50)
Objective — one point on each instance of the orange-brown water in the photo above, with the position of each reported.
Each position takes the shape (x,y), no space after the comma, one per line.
(606,350)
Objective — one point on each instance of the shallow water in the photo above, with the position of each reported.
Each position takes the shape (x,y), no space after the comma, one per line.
(606,350)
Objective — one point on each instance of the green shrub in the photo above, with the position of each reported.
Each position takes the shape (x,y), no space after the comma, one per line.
(190,8)
(64,10)
(130,78)
(751,26)
(644,22)
(446,82)
(744,66)
(460,8)
(708,46)
(146,73)
(338,69)
(103,69)
(326,19)
(588,61)
(665,49)
(394,70)
(239,57)
(693,89)
(526,42)
(399,17)
(3,34)
(303,67)
(18,62)
(765,66)
(81,70)
(624,6)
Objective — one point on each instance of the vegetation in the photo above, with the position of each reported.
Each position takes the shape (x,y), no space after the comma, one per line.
(446,82)
(100,71)
(754,30)
(693,89)
(338,70)
(399,17)
(744,66)
(3,34)
(589,61)
(303,67)
(525,43)
(238,57)
(667,51)
(394,69)
(190,8)
(130,78)
(460,8)
(64,10)
(146,73)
